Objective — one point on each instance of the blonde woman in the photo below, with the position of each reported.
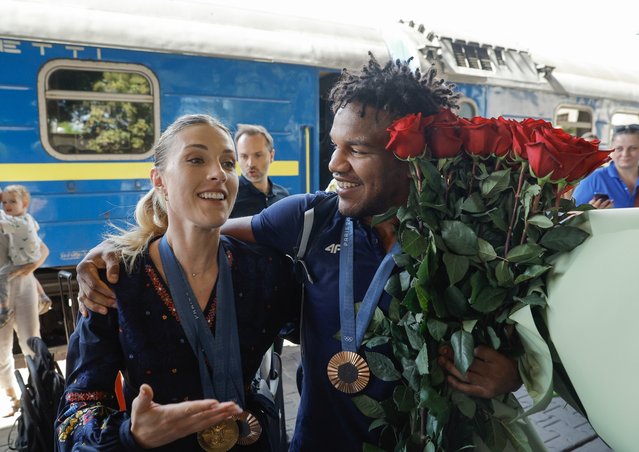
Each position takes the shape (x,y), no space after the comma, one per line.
(179,394)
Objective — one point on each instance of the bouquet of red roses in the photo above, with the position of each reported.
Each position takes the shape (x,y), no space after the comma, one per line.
(484,220)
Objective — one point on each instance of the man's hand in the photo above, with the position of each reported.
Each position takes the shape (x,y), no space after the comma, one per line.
(490,374)
(601,203)
(154,425)
(92,291)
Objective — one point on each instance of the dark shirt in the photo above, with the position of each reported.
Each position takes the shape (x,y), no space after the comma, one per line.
(251,201)
(327,419)
(144,339)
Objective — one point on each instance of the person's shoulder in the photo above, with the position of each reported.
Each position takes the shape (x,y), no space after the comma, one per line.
(278,190)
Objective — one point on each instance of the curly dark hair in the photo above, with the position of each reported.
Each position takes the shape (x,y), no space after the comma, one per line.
(394,88)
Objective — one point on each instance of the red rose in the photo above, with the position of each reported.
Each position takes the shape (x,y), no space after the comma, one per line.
(484,137)
(443,135)
(407,136)
(567,157)
(522,132)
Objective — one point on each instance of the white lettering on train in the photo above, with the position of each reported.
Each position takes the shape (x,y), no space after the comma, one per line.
(75,50)
(8,46)
(42,46)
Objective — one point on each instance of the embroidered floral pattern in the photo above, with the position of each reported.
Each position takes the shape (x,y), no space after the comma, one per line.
(162,292)
(85,415)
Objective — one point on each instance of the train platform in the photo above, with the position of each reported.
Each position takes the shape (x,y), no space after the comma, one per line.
(561,428)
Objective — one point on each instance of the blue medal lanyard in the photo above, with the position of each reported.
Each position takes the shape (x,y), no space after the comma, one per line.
(354,327)
(218,356)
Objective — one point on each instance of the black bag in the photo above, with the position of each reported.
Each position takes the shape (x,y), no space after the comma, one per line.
(39,401)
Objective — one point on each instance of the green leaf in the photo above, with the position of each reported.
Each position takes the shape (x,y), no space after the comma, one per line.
(423,272)
(410,301)
(464,403)
(393,310)
(390,213)
(495,183)
(529,193)
(498,220)
(430,399)
(523,253)
(368,406)
(421,362)
(382,367)
(486,251)
(463,346)
(489,299)
(504,274)
(377,423)
(377,341)
(456,267)
(456,302)
(422,297)
(436,328)
(410,373)
(532,272)
(414,337)
(404,398)
(413,243)
(393,286)
(402,260)
(474,204)
(533,299)
(494,339)
(459,238)
(541,221)
(404,280)
(563,238)
(469,325)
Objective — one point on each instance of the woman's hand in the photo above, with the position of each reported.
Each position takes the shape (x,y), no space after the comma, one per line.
(154,425)
(93,293)
(490,374)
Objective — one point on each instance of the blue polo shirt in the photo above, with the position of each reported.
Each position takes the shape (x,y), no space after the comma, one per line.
(327,419)
(606,181)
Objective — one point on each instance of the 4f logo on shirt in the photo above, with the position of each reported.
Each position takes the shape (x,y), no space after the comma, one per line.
(333,248)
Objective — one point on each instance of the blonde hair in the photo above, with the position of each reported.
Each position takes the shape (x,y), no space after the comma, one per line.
(19,190)
(150,212)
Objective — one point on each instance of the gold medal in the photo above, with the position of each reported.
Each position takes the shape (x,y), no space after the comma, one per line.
(252,426)
(348,372)
(219,437)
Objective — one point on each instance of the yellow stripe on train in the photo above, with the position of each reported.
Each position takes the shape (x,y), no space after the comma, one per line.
(31,172)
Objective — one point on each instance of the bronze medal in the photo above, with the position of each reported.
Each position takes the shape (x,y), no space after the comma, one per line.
(219,437)
(252,426)
(348,372)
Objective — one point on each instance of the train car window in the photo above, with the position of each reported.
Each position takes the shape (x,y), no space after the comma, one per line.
(95,110)
(576,120)
(467,108)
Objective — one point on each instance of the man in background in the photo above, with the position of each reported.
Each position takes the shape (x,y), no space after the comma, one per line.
(255,152)
(614,185)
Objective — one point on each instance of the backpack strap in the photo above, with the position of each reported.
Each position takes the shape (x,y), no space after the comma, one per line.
(315,220)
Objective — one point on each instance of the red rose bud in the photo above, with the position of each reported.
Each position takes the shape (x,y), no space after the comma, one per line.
(443,135)
(522,133)
(484,137)
(542,161)
(407,136)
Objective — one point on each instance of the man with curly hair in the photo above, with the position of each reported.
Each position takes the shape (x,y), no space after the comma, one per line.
(370,180)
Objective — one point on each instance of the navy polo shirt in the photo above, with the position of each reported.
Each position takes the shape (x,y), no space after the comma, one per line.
(327,419)
(606,181)
(251,201)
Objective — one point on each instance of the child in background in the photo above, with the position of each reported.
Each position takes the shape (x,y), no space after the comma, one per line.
(24,243)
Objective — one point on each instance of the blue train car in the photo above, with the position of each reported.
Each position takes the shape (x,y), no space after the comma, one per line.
(86,87)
